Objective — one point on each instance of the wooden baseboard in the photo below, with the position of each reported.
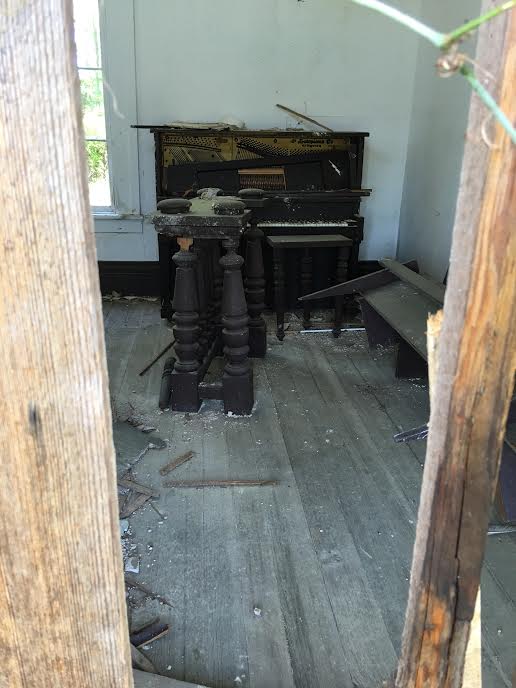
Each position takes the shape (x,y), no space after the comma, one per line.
(131,278)
(141,278)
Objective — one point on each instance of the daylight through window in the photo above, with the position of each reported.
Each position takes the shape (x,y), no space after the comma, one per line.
(87,36)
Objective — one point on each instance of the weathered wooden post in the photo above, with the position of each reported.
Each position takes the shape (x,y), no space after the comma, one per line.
(62,607)
(475,361)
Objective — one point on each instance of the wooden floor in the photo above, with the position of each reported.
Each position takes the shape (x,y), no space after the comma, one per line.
(303,584)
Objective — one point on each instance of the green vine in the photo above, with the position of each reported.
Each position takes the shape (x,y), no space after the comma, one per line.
(452,61)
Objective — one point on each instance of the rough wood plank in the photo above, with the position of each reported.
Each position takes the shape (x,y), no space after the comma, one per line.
(215,640)
(325,467)
(175,463)
(62,606)
(359,284)
(138,487)
(317,653)
(258,447)
(197,484)
(424,284)
(406,310)
(473,659)
(476,363)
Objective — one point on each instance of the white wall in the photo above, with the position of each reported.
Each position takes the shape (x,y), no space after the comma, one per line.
(435,148)
(199,60)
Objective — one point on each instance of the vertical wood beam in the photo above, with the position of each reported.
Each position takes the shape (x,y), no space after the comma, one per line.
(476,360)
(62,608)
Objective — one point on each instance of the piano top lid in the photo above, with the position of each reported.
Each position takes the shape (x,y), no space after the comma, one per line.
(280,133)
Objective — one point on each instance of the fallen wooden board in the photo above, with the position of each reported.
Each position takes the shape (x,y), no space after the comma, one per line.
(406,310)
(132,503)
(172,465)
(138,487)
(152,631)
(427,286)
(140,661)
(220,483)
(359,285)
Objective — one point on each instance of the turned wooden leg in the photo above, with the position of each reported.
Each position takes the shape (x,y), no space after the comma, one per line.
(166,383)
(237,380)
(184,379)
(342,275)
(279,292)
(306,285)
(255,292)
(165,244)
(202,296)
(216,291)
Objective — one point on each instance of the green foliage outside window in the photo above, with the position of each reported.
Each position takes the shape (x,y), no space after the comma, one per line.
(92,102)
(97,160)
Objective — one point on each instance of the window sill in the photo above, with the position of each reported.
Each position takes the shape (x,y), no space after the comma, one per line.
(117,223)
(114,215)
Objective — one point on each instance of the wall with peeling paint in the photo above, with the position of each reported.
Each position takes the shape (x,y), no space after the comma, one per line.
(352,69)
(435,147)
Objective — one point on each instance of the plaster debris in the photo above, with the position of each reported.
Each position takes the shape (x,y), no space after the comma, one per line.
(132,564)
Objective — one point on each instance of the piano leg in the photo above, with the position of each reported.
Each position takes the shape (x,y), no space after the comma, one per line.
(279,292)
(342,275)
(306,285)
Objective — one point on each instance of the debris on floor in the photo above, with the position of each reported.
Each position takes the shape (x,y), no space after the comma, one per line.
(148,633)
(117,296)
(133,583)
(132,564)
(142,427)
(131,445)
(179,461)
(140,661)
(138,487)
(220,483)
(132,503)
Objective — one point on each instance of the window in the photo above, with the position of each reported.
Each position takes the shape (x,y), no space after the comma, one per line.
(87,37)
(105,28)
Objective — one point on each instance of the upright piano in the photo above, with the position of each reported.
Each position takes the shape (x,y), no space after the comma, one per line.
(312,182)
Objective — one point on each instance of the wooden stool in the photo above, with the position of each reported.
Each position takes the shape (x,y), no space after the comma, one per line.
(307,242)
(211,314)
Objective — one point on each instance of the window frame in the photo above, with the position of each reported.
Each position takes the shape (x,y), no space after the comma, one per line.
(116,23)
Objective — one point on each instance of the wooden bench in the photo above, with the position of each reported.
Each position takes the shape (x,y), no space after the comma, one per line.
(307,242)
(395,305)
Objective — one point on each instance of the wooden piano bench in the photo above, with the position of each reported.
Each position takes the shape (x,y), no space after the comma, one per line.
(307,242)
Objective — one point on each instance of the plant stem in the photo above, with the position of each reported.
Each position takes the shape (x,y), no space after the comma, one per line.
(457,34)
(489,101)
(435,37)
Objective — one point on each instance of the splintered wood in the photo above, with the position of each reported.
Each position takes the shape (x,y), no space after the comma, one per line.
(476,360)
(132,503)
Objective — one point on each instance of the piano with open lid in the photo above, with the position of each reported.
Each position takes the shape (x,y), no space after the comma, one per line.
(312,180)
